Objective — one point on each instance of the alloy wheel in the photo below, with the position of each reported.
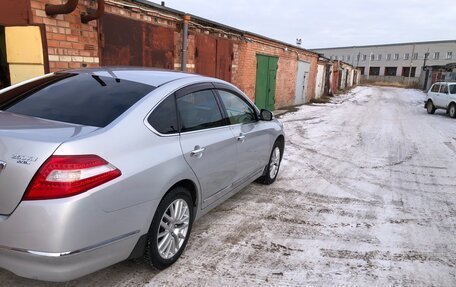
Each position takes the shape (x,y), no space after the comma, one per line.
(275,162)
(173,228)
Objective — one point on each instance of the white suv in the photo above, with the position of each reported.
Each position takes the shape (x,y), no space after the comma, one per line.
(442,95)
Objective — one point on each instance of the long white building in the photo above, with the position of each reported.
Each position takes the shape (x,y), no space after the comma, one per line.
(394,61)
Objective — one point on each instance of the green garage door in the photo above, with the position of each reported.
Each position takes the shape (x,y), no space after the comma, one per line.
(265,82)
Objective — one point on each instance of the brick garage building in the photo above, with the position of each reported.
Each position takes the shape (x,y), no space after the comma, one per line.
(141,33)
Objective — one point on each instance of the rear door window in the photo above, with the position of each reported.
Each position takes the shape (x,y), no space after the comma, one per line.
(82,99)
(444,89)
(199,110)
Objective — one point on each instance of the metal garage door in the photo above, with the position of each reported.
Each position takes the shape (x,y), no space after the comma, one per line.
(302,78)
(213,56)
(266,74)
(135,43)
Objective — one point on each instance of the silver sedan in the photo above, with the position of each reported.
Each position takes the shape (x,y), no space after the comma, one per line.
(102,165)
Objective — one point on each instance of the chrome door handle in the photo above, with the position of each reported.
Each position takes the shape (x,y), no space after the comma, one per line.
(198,151)
(241,138)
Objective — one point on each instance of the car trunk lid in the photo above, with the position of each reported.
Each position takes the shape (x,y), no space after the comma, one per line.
(25,144)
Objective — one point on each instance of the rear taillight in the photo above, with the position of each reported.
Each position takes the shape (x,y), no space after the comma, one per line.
(63,176)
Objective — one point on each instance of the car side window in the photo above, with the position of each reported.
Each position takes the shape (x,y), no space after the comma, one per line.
(199,110)
(435,88)
(453,89)
(164,118)
(444,89)
(237,109)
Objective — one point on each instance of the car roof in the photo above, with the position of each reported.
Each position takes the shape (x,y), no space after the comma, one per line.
(445,82)
(148,76)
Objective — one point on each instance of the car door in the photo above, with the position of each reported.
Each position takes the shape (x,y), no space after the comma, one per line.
(452,93)
(434,94)
(443,96)
(252,139)
(206,140)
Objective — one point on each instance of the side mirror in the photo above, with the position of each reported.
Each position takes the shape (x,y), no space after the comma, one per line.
(265,115)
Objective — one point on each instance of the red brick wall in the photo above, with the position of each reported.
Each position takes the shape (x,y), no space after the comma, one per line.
(244,69)
(71,44)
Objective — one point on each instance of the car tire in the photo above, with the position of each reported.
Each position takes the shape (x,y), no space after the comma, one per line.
(165,246)
(430,108)
(272,168)
(452,110)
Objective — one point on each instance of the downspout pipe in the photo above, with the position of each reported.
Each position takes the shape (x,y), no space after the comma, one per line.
(66,8)
(184,43)
(86,18)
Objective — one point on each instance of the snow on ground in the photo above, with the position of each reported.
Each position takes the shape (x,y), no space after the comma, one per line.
(365,197)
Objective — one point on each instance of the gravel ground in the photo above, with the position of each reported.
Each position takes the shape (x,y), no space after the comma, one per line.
(365,197)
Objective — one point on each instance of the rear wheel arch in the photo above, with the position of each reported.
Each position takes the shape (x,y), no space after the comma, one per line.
(450,105)
(164,244)
(140,247)
(188,185)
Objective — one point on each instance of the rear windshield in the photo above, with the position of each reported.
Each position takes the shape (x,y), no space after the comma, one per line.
(82,99)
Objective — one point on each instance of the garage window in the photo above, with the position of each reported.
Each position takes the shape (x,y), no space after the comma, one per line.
(374,71)
(406,71)
(390,71)
(361,69)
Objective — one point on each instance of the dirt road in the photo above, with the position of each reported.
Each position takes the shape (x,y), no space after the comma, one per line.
(366,196)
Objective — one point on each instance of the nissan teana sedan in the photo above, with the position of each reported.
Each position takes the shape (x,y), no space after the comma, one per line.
(102,165)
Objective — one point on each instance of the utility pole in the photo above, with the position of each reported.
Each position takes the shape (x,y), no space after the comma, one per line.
(426,55)
(425,70)
(411,62)
(186,20)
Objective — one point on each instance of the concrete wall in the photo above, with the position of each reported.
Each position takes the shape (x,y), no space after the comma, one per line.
(401,50)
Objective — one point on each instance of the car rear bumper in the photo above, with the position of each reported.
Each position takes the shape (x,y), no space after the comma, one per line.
(61,240)
(66,265)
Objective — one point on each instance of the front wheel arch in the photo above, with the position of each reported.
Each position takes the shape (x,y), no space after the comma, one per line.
(265,178)
(281,142)
(432,109)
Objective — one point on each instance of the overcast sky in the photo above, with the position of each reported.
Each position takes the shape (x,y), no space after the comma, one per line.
(332,23)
